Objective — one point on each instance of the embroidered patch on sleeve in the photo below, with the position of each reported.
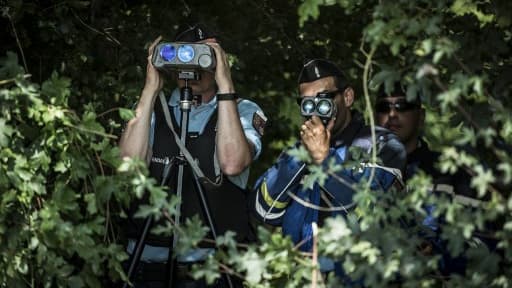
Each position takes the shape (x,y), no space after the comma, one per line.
(258,122)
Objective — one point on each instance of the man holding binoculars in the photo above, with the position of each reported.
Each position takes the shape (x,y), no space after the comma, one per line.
(223,134)
(329,130)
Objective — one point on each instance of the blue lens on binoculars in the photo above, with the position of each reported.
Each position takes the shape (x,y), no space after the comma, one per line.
(186,53)
(168,52)
(324,107)
(308,106)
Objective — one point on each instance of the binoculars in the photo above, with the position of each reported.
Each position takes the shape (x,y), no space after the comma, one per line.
(183,56)
(323,107)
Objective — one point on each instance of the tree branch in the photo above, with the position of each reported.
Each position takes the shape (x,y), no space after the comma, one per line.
(17,42)
(366,73)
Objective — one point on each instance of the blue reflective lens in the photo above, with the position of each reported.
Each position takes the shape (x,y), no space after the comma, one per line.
(168,52)
(324,107)
(308,106)
(185,53)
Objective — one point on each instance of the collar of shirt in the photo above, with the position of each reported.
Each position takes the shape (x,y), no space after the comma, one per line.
(174,101)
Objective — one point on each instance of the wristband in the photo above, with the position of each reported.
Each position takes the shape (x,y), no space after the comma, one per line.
(227,96)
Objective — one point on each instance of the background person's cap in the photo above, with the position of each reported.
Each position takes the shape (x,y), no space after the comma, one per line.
(398,90)
(194,33)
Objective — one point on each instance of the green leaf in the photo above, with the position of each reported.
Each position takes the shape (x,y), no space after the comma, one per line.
(209,271)
(506,168)
(76,281)
(5,133)
(9,67)
(254,265)
(126,114)
(300,154)
(388,77)
(463,7)
(308,8)
(56,89)
(90,199)
(482,180)
(449,97)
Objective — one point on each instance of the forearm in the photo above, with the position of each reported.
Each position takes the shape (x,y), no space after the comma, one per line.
(233,149)
(134,141)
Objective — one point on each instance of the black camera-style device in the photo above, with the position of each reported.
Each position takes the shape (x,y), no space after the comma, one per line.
(321,106)
(183,56)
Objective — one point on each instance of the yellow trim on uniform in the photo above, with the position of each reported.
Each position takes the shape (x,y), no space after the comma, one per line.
(269,200)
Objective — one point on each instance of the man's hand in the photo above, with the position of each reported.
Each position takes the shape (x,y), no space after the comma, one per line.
(154,81)
(222,70)
(316,138)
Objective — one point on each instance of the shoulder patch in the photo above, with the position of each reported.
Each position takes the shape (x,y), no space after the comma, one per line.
(259,120)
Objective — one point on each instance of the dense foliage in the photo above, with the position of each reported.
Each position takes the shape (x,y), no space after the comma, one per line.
(70,69)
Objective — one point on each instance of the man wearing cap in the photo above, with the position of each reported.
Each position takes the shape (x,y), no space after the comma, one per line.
(333,141)
(224,134)
(406,118)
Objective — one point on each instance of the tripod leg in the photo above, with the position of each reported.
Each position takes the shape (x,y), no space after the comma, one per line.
(139,246)
(137,252)
(171,260)
(171,264)
(204,204)
(206,211)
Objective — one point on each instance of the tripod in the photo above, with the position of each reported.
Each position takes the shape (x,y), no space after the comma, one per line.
(181,161)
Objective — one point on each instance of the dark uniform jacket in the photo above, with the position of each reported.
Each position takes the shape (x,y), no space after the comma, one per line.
(457,188)
(274,205)
(222,201)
